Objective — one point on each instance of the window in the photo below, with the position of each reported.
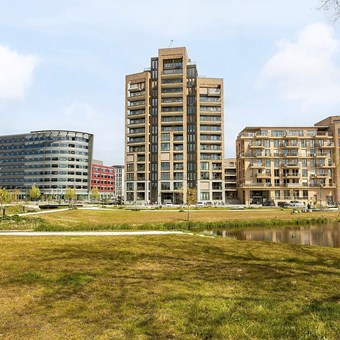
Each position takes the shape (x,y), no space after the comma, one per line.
(129,186)
(165,146)
(204,166)
(165,175)
(204,175)
(165,166)
(130,196)
(178,175)
(165,136)
(204,196)
(278,133)
(217,196)
(178,166)
(165,185)
(216,186)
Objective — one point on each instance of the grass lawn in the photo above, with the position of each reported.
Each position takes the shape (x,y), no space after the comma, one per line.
(157,219)
(166,287)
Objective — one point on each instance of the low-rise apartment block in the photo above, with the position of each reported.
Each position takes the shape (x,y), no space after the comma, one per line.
(103,177)
(289,163)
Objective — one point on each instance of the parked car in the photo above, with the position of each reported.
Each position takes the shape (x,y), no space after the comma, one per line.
(283,204)
(269,203)
(199,204)
(294,204)
(332,205)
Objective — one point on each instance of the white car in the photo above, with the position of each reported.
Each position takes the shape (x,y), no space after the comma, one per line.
(294,204)
(200,204)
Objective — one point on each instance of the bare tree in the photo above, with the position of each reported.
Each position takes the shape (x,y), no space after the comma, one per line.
(333,7)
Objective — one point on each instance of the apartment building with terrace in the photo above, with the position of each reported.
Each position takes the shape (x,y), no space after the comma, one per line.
(289,163)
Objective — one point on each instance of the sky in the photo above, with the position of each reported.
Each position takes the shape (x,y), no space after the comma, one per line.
(63,63)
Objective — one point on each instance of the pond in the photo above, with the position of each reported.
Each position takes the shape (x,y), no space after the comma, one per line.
(325,235)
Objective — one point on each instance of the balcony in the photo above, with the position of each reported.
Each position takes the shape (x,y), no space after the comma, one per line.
(291,145)
(171,83)
(172,73)
(171,92)
(214,92)
(136,95)
(263,175)
(290,165)
(291,154)
(138,104)
(172,101)
(257,165)
(320,175)
(293,185)
(256,145)
(256,185)
(291,175)
(136,87)
(327,165)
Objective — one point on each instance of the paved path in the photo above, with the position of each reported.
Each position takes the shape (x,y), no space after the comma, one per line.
(87,233)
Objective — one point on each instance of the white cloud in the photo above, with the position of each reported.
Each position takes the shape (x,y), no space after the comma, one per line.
(306,69)
(16,72)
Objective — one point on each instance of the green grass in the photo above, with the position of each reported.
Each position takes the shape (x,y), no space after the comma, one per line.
(117,219)
(166,287)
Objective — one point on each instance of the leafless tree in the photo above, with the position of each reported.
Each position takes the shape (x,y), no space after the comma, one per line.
(333,7)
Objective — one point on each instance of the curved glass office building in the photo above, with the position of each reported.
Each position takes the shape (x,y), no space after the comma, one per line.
(53,160)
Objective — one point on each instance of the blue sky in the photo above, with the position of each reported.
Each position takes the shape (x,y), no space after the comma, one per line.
(63,63)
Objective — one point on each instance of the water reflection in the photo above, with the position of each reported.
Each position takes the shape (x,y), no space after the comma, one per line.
(326,235)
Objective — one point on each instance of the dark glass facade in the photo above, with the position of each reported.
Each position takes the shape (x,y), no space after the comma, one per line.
(53,160)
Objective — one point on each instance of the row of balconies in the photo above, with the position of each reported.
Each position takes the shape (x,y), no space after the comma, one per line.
(292,165)
(291,145)
(284,155)
(288,185)
(267,175)
(303,134)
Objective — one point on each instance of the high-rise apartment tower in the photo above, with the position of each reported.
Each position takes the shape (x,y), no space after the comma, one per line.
(174,141)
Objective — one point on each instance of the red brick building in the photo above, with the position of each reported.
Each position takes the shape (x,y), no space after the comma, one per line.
(103,178)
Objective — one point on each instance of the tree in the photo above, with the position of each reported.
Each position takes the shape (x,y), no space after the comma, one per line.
(34,193)
(95,193)
(5,197)
(191,196)
(70,194)
(332,6)
(15,194)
